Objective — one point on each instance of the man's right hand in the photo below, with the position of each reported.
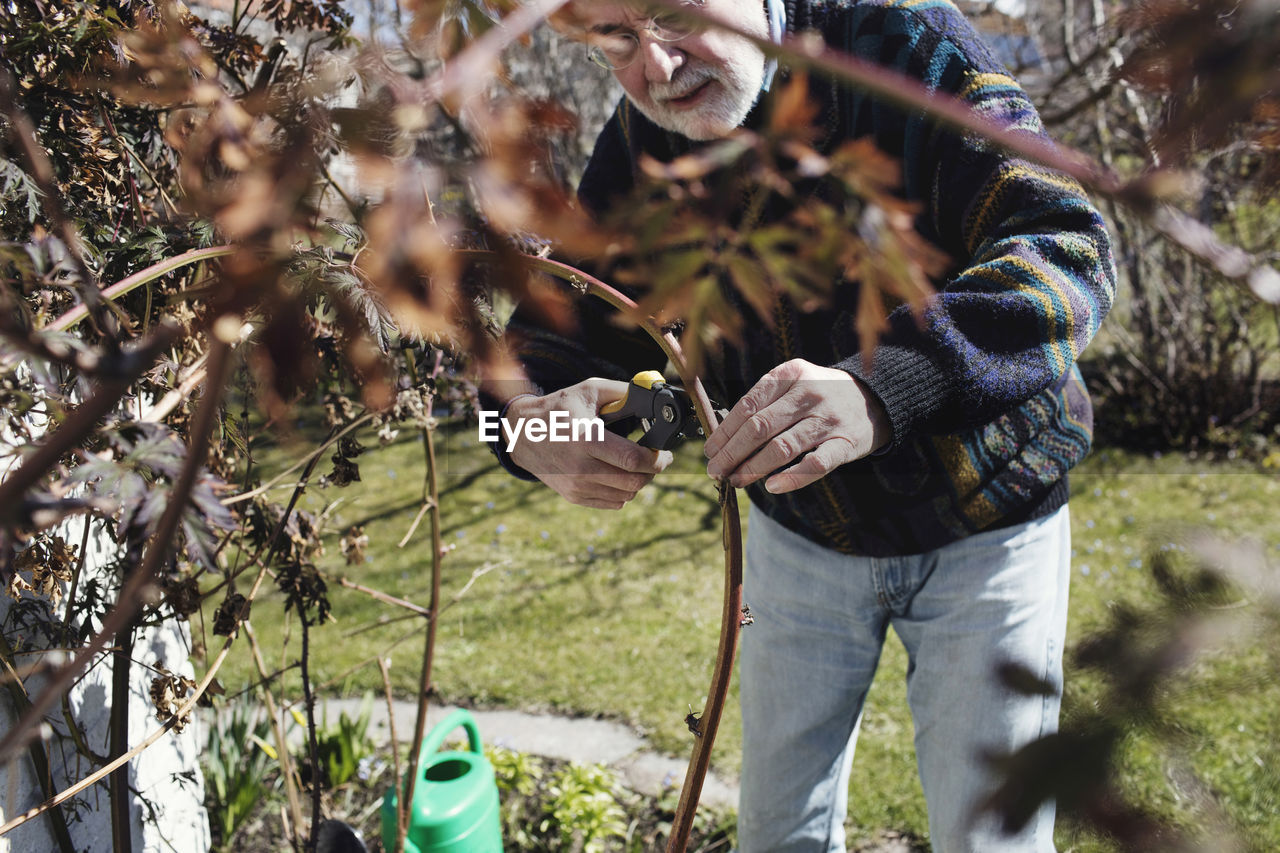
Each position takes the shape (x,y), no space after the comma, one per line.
(601,474)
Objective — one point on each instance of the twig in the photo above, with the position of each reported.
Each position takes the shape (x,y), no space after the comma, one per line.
(359,665)
(141,277)
(385,598)
(118,782)
(195,375)
(417,519)
(313,748)
(395,743)
(1231,261)
(476,574)
(308,460)
(424,682)
(139,162)
(282,743)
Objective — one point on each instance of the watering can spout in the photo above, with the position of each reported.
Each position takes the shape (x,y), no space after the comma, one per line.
(455,797)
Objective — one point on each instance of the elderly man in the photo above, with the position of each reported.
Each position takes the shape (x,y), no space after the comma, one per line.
(925,490)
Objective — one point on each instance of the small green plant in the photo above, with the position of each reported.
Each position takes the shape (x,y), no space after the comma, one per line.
(239,767)
(519,776)
(343,747)
(584,808)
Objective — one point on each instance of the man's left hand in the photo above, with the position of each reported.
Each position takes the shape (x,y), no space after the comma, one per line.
(796,408)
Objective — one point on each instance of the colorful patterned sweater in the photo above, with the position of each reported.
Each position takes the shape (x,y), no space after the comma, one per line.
(987,407)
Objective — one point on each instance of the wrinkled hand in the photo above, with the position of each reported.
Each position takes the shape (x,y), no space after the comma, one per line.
(796,408)
(601,474)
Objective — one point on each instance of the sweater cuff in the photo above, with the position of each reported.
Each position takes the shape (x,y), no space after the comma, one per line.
(910,386)
(499,447)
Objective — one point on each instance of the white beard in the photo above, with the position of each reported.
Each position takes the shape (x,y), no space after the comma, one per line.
(734,92)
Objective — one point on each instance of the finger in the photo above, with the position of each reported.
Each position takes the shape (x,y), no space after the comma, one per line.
(782,449)
(605,492)
(822,460)
(768,389)
(754,434)
(609,488)
(625,455)
(604,391)
(599,504)
(601,477)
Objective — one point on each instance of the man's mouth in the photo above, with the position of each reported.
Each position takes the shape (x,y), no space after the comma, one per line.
(690,98)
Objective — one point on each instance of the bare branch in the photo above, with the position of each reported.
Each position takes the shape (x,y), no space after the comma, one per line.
(141,277)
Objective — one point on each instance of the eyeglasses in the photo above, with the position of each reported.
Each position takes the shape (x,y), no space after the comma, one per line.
(618,50)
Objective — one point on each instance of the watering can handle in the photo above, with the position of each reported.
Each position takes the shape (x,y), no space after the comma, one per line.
(435,739)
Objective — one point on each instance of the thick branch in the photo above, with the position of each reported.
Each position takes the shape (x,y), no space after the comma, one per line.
(731,612)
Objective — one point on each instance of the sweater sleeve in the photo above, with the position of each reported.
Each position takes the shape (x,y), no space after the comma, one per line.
(1035,274)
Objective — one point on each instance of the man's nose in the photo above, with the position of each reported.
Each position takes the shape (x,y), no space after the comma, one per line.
(660,58)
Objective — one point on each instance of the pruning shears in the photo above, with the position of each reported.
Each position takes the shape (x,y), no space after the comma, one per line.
(665,411)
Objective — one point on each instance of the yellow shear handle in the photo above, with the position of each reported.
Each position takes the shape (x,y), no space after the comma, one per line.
(645,379)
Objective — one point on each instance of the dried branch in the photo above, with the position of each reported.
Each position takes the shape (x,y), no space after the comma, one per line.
(385,598)
(1230,261)
(118,733)
(313,747)
(476,573)
(395,743)
(308,461)
(413,525)
(282,743)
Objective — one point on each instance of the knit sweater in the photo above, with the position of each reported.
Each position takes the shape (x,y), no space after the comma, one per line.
(987,408)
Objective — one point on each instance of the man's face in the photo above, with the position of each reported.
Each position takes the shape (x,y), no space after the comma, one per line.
(701,86)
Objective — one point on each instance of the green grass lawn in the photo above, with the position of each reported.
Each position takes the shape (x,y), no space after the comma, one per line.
(617,614)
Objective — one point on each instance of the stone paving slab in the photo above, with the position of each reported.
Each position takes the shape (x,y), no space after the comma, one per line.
(580,739)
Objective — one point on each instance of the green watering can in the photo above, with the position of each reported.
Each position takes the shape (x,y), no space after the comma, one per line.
(455,800)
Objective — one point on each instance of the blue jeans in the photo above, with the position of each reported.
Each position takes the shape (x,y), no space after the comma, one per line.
(808,660)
